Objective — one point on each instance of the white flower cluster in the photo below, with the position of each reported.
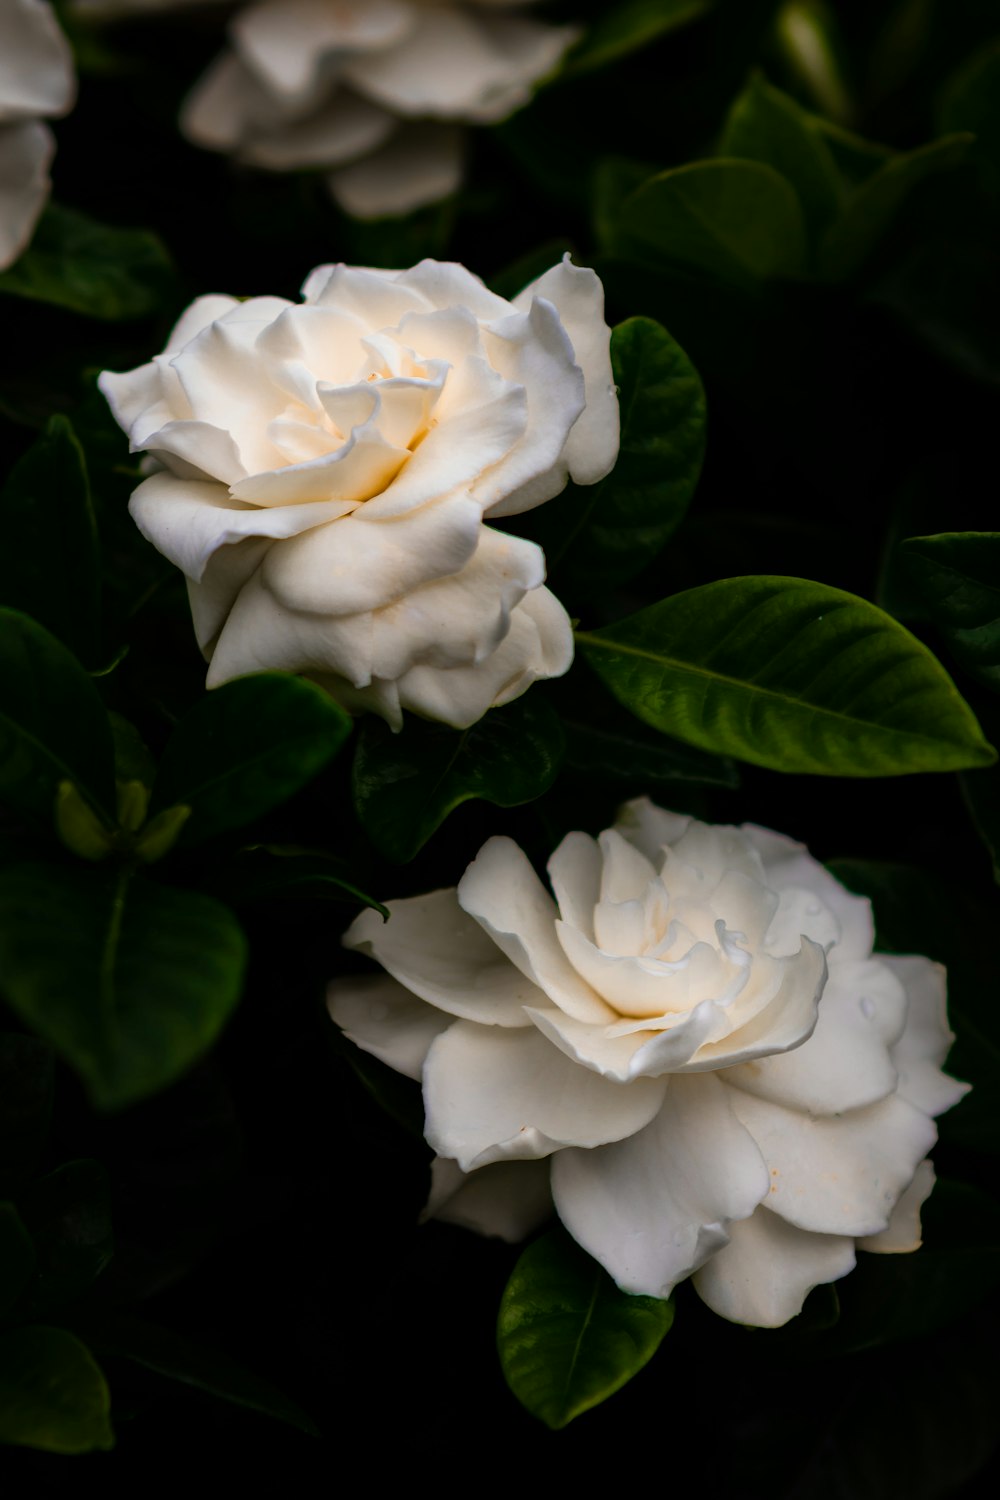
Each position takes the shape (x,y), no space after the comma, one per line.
(36,83)
(692,1052)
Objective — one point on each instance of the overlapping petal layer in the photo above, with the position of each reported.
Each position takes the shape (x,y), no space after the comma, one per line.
(36,82)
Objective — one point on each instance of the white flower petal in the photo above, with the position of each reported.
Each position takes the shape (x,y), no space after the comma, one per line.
(650,828)
(383,1018)
(227,571)
(261,635)
(188,521)
(461,619)
(789,865)
(478,419)
(228,106)
(287,42)
(447,69)
(26,151)
(505,896)
(763,1276)
(36,63)
(538,645)
(365,564)
(495,1094)
(532,350)
(623,1056)
(785,1023)
(902,1234)
(841,1174)
(920,1052)
(575,875)
(845,1064)
(440,954)
(508,1200)
(654,1207)
(343,129)
(420,163)
(577,294)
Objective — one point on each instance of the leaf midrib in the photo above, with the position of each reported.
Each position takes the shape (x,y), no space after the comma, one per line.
(749,687)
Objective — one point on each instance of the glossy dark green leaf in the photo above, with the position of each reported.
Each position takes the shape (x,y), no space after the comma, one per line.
(600,535)
(567,1337)
(627,26)
(938,915)
(68,1213)
(615,179)
(738,222)
(49,566)
(856,159)
(17,1257)
(245,748)
(173,1355)
(26,1067)
(958,575)
(96,269)
(52,1393)
(267,872)
(53,726)
(129,981)
(765,125)
(401,1098)
(406,784)
(873,207)
(791,675)
(631,753)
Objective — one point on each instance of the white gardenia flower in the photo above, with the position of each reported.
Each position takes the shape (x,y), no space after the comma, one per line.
(36,82)
(374,91)
(695,1051)
(323,471)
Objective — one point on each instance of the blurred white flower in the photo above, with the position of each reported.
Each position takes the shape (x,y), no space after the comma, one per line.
(36,82)
(374,92)
(323,472)
(693,1047)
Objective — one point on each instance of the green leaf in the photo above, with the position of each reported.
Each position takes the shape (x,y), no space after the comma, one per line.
(26,1068)
(873,207)
(17,1257)
(615,179)
(765,125)
(178,1358)
(269,872)
(133,759)
(958,575)
(406,784)
(245,748)
(53,726)
(68,1213)
(737,222)
(567,1337)
(91,268)
(52,1393)
(600,535)
(50,567)
(791,675)
(129,981)
(633,755)
(970,101)
(624,28)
